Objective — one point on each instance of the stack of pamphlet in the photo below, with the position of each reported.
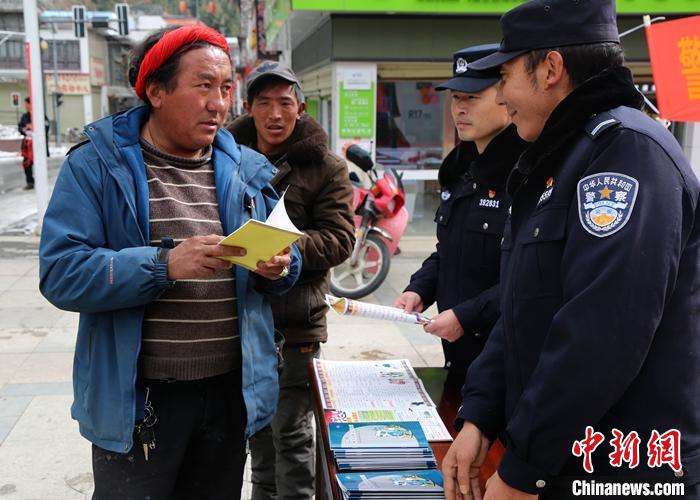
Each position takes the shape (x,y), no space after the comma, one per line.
(380,446)
(376,391)
(404,485)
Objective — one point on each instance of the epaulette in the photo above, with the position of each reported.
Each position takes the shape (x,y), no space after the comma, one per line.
(599,123)
(77,146)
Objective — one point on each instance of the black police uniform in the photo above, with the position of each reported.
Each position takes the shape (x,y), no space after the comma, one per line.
(462,274)
(600,295)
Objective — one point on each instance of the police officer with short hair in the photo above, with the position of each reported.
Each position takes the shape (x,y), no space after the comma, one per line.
(598,344)
(462,274)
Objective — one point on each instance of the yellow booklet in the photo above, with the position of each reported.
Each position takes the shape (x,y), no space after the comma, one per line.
(263,240)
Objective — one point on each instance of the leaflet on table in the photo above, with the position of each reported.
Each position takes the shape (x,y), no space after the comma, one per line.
(400,484)
(429,419)
(350,307)
(263,240)
(380,384)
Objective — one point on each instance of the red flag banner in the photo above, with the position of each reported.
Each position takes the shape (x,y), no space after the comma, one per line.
(674,50)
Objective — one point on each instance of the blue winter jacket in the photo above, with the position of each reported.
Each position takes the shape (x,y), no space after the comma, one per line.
(95,259)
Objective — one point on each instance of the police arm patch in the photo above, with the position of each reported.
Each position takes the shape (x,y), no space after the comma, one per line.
(605,202)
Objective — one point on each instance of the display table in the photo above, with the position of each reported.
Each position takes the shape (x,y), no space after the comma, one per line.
(447,400)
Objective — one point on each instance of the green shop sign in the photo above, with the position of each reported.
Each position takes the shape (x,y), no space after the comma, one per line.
(356,116)
(482,6)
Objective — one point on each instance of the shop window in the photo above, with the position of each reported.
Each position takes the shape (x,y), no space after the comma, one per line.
(409,124)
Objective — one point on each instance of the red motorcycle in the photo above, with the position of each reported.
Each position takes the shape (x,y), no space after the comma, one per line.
(380,221)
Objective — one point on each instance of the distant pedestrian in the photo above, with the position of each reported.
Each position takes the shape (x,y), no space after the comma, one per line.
(26,148)
(25,128)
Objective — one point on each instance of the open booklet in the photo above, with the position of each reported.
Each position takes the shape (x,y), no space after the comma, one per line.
(350,307)
(263,240)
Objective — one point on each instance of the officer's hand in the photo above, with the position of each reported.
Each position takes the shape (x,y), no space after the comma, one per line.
(409,302)
(277,267)
(460,467)
(496,489)
(196,257)
(445,325)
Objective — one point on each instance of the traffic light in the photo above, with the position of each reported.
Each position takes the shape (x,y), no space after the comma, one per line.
(79,21)
(59,98)
(15,99)
(122,18)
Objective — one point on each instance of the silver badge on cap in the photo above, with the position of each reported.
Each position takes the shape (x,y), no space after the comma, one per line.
(461,65)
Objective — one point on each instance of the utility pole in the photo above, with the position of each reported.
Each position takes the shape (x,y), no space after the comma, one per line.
(36,89)
(54,100)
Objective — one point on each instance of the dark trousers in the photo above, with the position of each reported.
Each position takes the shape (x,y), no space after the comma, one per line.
(29,174)
(283,454)
(200,446)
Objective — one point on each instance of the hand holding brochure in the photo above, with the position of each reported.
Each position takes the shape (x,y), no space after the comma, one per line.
(262,240)
(350,307)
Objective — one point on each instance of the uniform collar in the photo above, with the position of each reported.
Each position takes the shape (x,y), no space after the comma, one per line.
(491,167)
(611,88)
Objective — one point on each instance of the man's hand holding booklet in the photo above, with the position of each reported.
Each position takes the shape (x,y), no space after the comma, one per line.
(266,243)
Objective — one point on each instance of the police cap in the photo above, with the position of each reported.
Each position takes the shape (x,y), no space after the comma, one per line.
(541,24)
(466,79)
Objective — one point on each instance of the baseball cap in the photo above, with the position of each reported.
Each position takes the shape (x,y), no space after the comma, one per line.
(541,24)
(269,69)
(464,77)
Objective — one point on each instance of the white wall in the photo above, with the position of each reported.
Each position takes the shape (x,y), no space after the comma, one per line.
(691,145)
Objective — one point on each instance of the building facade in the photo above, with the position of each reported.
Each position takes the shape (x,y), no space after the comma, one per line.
(369,70)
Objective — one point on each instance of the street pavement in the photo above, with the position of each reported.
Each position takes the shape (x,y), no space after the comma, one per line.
(42,455)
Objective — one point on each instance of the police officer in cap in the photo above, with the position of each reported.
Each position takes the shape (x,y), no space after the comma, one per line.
(462,274)
(597,351)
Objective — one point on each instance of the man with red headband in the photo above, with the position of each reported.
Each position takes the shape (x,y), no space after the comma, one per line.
(175,363)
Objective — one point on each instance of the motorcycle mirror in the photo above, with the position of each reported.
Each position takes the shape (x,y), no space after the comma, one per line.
(359,157)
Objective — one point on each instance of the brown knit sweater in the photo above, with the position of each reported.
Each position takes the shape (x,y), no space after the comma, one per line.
(191,331)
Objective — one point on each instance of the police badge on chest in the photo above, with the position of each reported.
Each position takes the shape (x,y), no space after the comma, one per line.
(491,201)
(547,194)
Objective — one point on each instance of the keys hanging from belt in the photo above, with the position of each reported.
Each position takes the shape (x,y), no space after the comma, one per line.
(144,428)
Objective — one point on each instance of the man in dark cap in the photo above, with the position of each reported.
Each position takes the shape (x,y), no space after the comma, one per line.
(462,274)
(592,370)
(175,362)
(319,201)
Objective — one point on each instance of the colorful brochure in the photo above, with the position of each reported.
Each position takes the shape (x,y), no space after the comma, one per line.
(350,307)
(263,240)
(404,485)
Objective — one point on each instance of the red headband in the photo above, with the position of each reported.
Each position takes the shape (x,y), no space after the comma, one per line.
(169,44)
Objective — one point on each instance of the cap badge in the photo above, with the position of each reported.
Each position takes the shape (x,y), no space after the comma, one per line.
(461,66)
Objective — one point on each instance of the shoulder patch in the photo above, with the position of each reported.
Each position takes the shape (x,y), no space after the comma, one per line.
(605,202)
(600,123)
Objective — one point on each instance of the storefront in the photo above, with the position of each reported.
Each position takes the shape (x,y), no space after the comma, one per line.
(370,76)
